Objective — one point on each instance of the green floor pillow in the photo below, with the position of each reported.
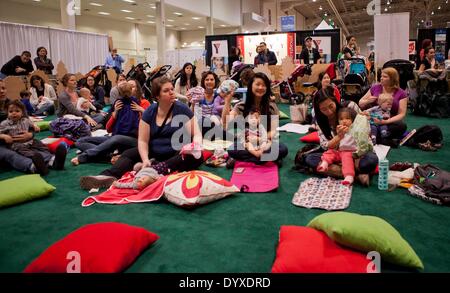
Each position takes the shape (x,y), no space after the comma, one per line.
(43,125)
(283,115)
(23,188)
(368,233)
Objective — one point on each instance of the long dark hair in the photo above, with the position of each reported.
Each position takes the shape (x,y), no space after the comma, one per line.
(37,77)
(139,92)
(322,120)
(265,100)
(192,79)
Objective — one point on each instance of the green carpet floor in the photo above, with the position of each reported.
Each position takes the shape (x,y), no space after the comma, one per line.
(236,234)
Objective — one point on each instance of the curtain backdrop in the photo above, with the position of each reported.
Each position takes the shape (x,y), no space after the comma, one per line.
(78,50)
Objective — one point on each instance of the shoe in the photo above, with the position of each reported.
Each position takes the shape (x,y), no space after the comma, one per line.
(60,157)
(99,181)
(426,146)
(364,179)
(40,164)
(393,143)
(401,166)
(230,163)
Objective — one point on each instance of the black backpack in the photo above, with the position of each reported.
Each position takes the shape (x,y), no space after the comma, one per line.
(428,132)
(299,162)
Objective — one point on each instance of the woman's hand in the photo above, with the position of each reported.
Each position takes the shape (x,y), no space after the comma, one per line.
(135,107)
(372,99)
(378,121)
(117,107)
(90,121)
(146,163)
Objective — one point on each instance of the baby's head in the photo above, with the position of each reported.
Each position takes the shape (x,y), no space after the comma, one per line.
(385,101)
(84,104)
(228,86)
(346,116)
(25,94)
(85,93)
(145,181)
(196,93)
(16,110)
(254,118)
(125,89)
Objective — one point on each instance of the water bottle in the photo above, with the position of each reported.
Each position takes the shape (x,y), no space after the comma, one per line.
(383,169)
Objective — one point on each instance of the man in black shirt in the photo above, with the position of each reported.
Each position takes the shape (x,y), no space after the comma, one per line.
(19,65)
(266,56)
(309,54)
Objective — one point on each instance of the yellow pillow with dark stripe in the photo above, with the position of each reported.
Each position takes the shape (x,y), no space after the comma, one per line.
(23,188)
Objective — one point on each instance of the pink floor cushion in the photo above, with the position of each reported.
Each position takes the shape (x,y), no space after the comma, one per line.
(306,250)
(250,177)
(94,248)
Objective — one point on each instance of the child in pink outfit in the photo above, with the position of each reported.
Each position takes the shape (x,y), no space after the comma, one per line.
(347,146)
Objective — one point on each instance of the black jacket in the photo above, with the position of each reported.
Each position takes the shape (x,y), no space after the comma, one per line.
(268,57)
(10,67)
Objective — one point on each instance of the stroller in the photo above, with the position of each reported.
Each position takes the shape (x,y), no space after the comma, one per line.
(100,76)
(433,96)
(237,71)
(286,86)
(404,68)
(355,82)
(155,73)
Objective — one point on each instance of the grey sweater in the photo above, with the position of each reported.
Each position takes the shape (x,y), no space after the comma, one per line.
(66,106)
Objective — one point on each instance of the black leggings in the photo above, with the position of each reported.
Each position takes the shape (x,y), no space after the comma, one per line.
(131,156)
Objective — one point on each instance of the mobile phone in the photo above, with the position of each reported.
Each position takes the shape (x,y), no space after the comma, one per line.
(239,170)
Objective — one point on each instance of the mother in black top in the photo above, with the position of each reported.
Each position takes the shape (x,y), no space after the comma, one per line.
(162,127)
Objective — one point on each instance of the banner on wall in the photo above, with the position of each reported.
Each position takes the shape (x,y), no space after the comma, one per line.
(219,48)
(412,47)
(219,57)
(323,45)
(440,39)
(281,44)
(287,23)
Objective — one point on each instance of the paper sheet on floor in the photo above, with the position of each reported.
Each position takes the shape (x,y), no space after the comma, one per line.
(295,128)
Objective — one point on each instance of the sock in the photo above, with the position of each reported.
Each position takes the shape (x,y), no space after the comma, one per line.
(348,180)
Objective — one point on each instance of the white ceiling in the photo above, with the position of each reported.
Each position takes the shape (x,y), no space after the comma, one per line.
(141,12)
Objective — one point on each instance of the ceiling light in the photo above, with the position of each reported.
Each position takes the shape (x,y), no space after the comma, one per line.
(183,28)
(148,15)
(178,13)
(104,13)
(320,8)
(129,1)
(150,21)
(326,14)
(385,9)
(201,27)
(314,0)
(422,21)
(186,23)
(153,7)
(439,8)
(171,20)
(196,18)
(127,11)
(95,4)
(223,25)
(169,25)
(130,18)
(37,0)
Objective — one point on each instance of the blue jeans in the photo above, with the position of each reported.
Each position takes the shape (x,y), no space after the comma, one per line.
(99,147)
(19,162)
(367,163)
(237,152)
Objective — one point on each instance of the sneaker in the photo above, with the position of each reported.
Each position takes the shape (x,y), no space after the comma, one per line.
(99,181)
(40,164)
(60,157)
(230,163)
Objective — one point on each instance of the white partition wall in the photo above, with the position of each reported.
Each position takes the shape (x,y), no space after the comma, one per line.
(78,50)
(391,37)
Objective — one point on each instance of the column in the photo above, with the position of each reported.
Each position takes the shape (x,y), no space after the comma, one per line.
(210,20)
(161,31)
(69,8)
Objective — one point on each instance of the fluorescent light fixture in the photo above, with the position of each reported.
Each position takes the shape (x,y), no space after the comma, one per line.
(129,1)
(178,13)
(201,27)
(223,25)
(186,23)
(127,11)
(37,0)
(151,16)
(320,8)
(196,18)
(183,28)
(150,21)
(130,18)
(104,13)
(95,4)
(169,25)
(171,20)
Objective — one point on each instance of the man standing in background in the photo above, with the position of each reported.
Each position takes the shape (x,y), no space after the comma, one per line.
(114,61)
(266,56)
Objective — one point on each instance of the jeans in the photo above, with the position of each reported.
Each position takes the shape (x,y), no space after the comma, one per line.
(237,152)
(48,108)
(367,163)
(99,147)
(15,160)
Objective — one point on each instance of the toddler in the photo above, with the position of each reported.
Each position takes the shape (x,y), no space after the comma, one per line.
(380,112)
(143,178)
(254,137)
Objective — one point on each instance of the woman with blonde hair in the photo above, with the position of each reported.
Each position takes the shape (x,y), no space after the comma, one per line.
(389,84)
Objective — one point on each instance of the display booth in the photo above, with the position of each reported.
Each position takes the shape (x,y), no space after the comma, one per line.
(440,38)
(283,44)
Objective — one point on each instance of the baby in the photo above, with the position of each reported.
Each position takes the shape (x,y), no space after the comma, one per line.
(143,178)
(84,103)
(226,87)
(380,112)
(254,138)
(344,153)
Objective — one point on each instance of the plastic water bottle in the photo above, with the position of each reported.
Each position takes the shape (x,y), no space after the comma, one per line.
(383,169)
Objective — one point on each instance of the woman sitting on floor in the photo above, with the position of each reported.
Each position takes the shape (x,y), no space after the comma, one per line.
(123,125)
(187,80)
(326,108)
(389,84)
(157,139)
(97,92)
(42,97)
(258,98)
